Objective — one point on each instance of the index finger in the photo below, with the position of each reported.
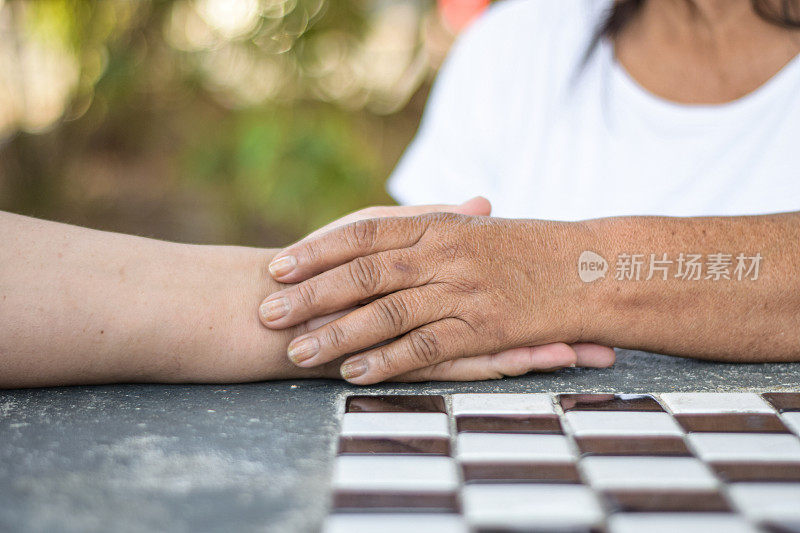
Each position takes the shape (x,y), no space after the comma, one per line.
(309,257)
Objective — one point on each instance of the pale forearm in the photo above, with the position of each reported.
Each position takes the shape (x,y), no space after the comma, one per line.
(84,306)
(712,317)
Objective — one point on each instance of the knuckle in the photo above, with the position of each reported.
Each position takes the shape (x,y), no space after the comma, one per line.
(335,336)
(385,363)
(392,312)
(472,319)
(424,346)
(365,275)
(439,217)
(451,250)
(487,319)
(313,252)
(362,234)
(306,294)
(428,226)
(465,287)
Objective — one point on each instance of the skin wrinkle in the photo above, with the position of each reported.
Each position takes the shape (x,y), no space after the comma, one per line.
(393,311)
(363,235)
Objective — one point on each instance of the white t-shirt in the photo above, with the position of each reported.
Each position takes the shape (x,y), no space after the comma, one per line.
(514,117)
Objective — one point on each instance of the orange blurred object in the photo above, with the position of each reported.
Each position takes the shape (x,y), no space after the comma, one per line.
(457,14)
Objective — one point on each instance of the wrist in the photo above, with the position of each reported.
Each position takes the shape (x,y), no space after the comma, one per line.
(202,324)
(560,304)
(231,344)
(598,295)
(584,271)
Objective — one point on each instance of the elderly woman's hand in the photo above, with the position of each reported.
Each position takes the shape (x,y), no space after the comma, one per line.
(448,286)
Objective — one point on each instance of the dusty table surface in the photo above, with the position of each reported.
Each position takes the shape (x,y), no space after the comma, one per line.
(253,457)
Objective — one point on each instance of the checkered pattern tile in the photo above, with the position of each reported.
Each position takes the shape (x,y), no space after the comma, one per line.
(613,463)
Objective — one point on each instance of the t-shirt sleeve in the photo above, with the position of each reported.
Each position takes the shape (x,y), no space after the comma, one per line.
(446,162)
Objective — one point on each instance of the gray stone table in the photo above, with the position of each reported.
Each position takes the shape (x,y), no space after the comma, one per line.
(253,457)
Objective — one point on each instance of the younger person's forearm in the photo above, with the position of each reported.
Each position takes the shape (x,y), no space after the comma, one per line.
(85,306)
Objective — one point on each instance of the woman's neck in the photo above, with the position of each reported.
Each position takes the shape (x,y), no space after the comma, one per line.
(703,51)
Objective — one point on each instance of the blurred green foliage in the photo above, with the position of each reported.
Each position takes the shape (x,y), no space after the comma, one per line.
(306,166)
(196,120)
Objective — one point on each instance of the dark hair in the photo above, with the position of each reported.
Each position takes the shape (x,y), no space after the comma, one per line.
(783,13)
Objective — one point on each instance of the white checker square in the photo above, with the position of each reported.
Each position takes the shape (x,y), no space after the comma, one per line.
(715,402)
(502,404)
(792,421)
(529,506)
(395,425)
(682,522)
(723,447)
(395,473)
(513,447)
(395,523)
(764,501)
(668,473)
(622,423)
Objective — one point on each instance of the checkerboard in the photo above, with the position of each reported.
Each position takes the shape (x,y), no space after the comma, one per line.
(618,463)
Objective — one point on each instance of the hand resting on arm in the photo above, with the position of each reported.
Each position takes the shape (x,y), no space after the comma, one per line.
(450,286)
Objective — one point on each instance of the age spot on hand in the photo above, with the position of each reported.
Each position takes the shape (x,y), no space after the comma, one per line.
(401,266)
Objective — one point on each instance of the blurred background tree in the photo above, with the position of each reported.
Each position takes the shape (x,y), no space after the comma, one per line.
(214,121)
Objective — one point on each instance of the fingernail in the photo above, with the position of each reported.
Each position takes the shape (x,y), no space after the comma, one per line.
(573,365)
(282,266)
(274,309)
(302,349)
(354,369)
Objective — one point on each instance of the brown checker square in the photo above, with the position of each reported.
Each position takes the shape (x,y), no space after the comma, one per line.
(757,471)
(544,423)
(567,529)
(652,501)
(378,501)
(393,403)
(783,401)
(395,445)
(608,402)
(731,422)
(545,472)
(632,445)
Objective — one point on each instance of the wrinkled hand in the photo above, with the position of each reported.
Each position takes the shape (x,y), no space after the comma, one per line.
(512,362)
(454,289)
